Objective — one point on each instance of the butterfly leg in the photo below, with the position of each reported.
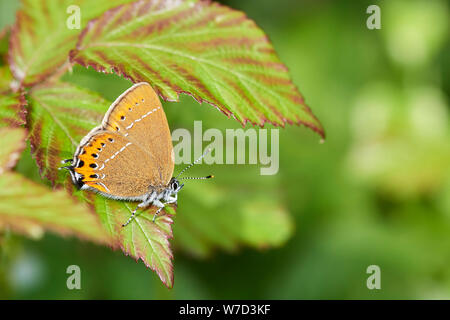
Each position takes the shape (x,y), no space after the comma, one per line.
(133,215)
(172,199)
(160,206)
(147,201)
(156,213)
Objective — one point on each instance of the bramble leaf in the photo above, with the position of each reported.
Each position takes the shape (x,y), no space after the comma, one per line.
(4,39)
(41,38)
(207,50)
(12,109)
(30,208)
(141,239)
(13,143)
(7,81)
(12,105)
(60,115)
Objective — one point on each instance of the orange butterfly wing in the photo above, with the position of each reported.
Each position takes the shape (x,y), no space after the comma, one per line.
(131,152)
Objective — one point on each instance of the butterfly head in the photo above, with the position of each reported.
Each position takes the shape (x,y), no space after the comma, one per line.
(175,186)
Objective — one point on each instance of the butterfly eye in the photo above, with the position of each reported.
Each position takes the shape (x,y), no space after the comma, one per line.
(174,185)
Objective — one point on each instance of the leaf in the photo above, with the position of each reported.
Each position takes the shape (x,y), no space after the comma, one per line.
(13,143)
(12,109)
(141,239)
(30,208)
(61,114)
(4,39)
(41,39)
(207,50)
(7,82)
(6,79)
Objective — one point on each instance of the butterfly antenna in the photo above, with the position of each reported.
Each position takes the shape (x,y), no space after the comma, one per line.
(192,164)
(197,178)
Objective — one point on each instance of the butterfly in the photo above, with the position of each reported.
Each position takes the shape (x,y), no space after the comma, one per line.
(130,155)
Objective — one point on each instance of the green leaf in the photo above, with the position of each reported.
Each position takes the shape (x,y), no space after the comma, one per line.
(13,143)
(41,39)
(4,39)
(7,81)
(141,239)
(61,114)
(207,50)
(12,109)
(12,104)
(30,208)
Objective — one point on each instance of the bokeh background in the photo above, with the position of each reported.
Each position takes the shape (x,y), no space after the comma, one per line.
(377,192)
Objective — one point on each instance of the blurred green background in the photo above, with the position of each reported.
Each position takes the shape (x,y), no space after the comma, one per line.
(377,192)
